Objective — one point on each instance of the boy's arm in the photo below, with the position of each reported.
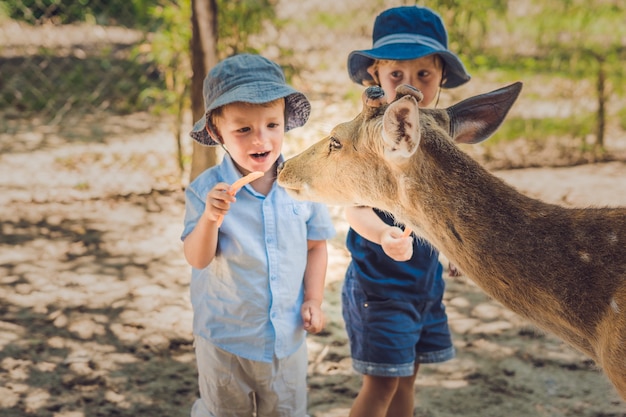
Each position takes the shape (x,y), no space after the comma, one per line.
(314,279)
(367,224)
(200,245)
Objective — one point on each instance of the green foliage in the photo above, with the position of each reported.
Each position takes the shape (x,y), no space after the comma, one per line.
(238,20)
(168,50)
(570,39)
(588,40)
(81,85)
(127,12)
(576,34)
(621,115)
(538,129)
(579,24)
(328,20)
(468,23)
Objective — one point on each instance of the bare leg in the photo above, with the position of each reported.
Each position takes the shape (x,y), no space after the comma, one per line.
(374,397)
(403,402)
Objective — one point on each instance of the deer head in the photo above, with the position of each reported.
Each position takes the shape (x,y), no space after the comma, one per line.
(374,158)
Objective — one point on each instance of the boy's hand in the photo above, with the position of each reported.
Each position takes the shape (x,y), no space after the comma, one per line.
(313,317)
(220,197)
(218,202)
(453,270)
(396,246)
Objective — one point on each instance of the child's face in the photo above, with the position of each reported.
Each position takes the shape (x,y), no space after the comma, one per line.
(253,133)
(422,73)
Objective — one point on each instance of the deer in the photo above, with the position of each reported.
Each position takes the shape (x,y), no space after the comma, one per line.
(561,268)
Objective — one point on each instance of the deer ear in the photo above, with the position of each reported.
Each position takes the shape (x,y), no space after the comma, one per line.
(475,119)
(401,133)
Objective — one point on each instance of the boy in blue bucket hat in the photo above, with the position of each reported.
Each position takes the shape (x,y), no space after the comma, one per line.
(258,258)
(393,290)
(404,34)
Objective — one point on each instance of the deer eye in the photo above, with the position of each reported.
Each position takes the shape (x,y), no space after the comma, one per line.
(334,144)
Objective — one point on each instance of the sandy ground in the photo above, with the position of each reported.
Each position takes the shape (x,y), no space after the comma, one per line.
(95,317)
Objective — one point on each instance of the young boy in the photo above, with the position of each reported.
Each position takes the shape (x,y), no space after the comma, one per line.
(392,294)
(259,257)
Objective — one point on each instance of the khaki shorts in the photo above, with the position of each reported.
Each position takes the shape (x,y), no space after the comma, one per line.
(231,386)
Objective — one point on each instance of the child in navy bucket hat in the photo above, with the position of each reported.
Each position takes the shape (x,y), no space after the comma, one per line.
(258,257)
(393,289)
(407,33)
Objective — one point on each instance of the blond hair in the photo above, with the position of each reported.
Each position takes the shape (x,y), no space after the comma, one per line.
(373,69)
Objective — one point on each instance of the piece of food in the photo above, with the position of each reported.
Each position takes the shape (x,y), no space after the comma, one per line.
(237,185)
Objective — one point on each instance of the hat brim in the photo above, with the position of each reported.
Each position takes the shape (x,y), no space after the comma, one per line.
(297,106)
(360,61)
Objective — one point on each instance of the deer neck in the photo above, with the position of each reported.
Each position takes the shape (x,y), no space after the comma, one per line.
(491,232)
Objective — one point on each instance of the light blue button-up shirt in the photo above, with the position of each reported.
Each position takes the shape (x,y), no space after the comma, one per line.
(248,300)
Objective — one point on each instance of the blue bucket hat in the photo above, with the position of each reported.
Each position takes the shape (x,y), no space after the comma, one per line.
(247,78)
(404,33)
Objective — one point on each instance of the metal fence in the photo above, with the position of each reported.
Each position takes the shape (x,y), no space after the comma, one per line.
(57,65)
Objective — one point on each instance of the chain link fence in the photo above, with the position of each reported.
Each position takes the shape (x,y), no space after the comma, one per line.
(64,61)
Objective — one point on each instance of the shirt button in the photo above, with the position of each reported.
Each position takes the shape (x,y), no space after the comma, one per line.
(366,305)
(273,277)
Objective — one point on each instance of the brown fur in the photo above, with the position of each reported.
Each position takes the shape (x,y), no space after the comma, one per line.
(563,269)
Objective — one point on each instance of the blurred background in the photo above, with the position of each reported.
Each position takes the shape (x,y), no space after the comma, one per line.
(67,66)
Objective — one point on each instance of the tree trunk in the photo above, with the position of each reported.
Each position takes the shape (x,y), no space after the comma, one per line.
(203,58)
(602,97)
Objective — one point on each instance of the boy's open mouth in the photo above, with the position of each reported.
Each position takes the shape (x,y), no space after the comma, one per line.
(260,154)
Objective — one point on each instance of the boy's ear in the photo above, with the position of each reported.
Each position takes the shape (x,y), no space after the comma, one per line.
(443,73)
(373,72)
(212,131)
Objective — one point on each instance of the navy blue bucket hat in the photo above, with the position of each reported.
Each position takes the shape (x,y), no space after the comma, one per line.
(404,33)
(247,78)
